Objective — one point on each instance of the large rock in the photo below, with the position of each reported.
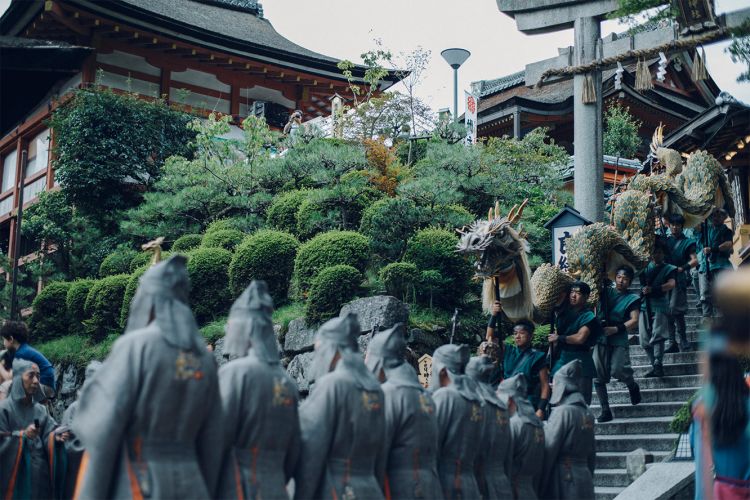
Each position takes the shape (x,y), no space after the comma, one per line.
(382,310)
(299,337)
(299,369)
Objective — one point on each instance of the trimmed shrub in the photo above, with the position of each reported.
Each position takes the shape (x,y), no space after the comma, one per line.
(144,259)
(233,223)
(266,255)
(332,288)
(187,242)
(127,297)
(282,213)
(103,306)
(389,223)
(326,210)
(450,216)
(116,263)
(227,239)
(326,250)
(208,269)
(400,279)
(50,317)
(75,303)
(432,249)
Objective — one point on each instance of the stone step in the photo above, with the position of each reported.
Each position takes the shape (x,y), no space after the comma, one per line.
(662,395)
(636,425)
(668,382)
(637,350)
(618,459)
(611,477)
(607,492)
(630,442)
(671,358)
(642,410)
(670,370)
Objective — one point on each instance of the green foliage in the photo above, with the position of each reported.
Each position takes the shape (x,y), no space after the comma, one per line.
(50,316)
(227,239)
(103,305)
(326,250)
(388,224)
(282,212)
(230,224)
(332,288)
(141,260)
(130,289)
(449,216)
(187,242)
(635,12)
(214,330)
(683,417)
(621,137)
(117,262)
(285,314)
(435,250)
(400,279)
(75,302)
(739,49)
(208,269)
(104,140)
(266,255)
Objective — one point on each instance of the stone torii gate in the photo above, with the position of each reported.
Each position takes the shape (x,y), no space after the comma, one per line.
(584,16)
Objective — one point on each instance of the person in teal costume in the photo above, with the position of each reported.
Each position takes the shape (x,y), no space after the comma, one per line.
(681,255)
(618,314)
(523,358)
(717,247)
(576,332)
(653,330)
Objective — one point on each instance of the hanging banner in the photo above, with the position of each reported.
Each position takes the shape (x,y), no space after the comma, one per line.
(470,117)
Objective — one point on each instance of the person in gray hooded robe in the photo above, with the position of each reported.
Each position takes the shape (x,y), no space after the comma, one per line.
(31,451)
(496,451)
(342,420)
(151,419)
(261,424)
(570,457)
(528,438)
(408,467)
(73,446)
(460,421)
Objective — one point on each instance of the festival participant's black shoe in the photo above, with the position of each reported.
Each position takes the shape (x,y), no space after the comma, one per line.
(651,373)
(606,416)
(658,371)
(635,394)
(672,348)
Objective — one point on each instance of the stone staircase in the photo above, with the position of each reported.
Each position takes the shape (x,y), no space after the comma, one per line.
(647,424)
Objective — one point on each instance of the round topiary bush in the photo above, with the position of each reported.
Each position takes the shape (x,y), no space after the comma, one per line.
(433,248)
(326,250)
(117,262)
(103,306)
(127,297)
(187,242)
(227,239)
(400,279)
(50,312)
(266,255)
(389,223)
(208,269)
(144,259)
(332,288)
(282,213)
(75,304)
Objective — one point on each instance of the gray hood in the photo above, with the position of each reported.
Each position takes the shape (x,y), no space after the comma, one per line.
(17,392)
(515,387)
(249,326)
(454,359)
(386,349)
(566,384)
(480,370)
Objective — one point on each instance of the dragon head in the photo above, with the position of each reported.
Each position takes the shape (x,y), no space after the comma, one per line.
(670,159)
(494,244)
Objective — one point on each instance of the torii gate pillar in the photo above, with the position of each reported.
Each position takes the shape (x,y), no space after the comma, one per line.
(543,16)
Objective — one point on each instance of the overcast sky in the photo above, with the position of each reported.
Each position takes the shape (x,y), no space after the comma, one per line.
(346,28)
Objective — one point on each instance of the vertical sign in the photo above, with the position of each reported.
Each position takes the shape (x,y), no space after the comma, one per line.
(470,117)
(425,370)
(560,237)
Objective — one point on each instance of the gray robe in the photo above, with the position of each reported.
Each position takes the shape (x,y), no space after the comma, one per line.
(151,419)
(411,433)
(460,427)
(528,456)
(570,450)
(261,428)
(73,450)
(496,452)
(343,428)
(15,417)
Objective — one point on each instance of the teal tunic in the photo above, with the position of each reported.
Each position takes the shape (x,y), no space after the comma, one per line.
(569,321)
(655,276)
(529,362)
(717,236)
(619,305)
(680,249)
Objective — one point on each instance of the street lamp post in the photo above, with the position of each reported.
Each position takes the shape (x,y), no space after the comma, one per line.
(455,58)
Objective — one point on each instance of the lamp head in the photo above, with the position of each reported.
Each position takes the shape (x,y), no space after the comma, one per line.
(455,57)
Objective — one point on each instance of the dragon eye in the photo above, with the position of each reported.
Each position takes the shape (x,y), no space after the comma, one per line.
(475,240)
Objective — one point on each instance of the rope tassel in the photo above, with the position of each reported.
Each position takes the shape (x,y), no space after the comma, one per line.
(699,66)
(643,77)
(589,91)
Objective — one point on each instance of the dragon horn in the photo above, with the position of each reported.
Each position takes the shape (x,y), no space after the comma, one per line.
(514,217)
(657,139)
(489,215)
(497,209)
(512,212)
